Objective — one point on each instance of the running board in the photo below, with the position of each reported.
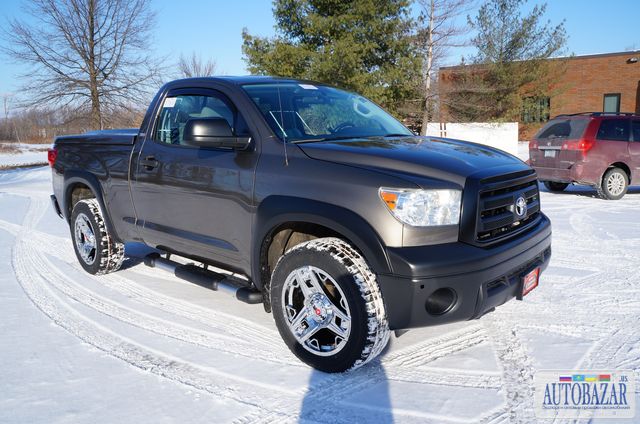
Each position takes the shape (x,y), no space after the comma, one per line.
(205,278)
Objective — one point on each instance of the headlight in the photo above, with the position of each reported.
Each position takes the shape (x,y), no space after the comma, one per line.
(421,208)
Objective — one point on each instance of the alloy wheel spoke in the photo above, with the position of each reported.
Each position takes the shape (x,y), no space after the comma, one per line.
(338,313)
(309,331)
(299,318)
(305,278)
(337,330)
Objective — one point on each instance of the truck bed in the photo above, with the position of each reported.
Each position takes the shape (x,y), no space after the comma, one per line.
(124,136)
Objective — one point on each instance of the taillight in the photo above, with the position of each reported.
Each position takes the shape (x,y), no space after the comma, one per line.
(584,144)
(52,155)
(533,145)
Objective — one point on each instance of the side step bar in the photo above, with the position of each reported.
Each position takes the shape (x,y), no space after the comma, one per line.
(205,278)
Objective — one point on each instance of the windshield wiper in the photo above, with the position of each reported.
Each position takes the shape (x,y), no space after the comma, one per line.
(373,137)
(315,140)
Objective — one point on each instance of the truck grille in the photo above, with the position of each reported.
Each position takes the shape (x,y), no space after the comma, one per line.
(497,210)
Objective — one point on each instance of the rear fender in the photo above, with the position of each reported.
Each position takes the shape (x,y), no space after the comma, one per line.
(73,178)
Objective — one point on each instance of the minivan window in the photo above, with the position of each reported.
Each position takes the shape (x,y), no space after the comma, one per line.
(614,129)
(563,128)
(635,129)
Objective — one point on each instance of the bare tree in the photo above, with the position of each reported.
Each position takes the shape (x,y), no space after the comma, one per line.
(438,35)
(89,55)
(196,67)
(6,103)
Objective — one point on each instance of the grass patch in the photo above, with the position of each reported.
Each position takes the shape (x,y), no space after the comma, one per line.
(23,166)
(9,148)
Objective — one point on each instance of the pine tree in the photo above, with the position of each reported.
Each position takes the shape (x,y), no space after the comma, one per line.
(362,45)
(511,63)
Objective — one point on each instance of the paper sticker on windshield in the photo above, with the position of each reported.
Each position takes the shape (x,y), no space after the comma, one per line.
(169,102)
(308,86)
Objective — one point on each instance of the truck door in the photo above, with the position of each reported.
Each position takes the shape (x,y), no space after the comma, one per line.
(195,200)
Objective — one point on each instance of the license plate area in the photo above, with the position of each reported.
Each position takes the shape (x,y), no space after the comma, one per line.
(529,282)
(549,153)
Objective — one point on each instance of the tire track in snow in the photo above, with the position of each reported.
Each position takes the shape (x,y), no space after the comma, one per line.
(517,368)
(216,382)
(241,328)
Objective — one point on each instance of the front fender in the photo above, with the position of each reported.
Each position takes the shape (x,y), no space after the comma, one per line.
(275,211)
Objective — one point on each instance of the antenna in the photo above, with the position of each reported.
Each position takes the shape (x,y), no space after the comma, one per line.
(284,133)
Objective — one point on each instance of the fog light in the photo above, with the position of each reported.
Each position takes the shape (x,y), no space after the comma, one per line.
(441,301)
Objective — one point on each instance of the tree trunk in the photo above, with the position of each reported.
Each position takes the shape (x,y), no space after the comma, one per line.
(428,106)
(96,113)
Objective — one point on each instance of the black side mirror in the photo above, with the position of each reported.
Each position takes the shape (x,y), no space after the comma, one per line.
(212,132)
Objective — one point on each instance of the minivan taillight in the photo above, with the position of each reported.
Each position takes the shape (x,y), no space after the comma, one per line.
(533,145)
(52,155)
(584,144)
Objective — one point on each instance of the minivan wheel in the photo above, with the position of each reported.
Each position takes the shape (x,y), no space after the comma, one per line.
(327,305)
(614,184)
(96,250)
(554,186)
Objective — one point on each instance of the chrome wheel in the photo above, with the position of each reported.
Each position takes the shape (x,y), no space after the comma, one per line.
(85,239)
(616,183)
(316,311)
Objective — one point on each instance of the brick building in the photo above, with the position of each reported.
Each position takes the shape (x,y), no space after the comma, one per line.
(607,82)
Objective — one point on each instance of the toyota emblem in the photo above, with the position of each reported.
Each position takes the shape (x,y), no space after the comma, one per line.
(520,207)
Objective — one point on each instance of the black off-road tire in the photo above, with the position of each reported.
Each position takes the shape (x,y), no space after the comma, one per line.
(555,186)
(108,254)
(610,191)
(369,328)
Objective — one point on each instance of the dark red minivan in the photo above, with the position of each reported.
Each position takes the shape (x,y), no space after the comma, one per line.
(598,149)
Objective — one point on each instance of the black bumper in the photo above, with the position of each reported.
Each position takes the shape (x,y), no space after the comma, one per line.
(56,206)
(482,278)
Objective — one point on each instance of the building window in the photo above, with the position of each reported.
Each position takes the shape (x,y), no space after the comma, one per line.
(611,103)
(535,109)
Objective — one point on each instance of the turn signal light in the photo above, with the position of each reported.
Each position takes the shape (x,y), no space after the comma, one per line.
(390,198)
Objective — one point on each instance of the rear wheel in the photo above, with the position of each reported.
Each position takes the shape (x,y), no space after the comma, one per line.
(554,186)
(97,251)
(614,184)
(327,305)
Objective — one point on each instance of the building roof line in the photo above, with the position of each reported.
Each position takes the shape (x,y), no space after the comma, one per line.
(586,56)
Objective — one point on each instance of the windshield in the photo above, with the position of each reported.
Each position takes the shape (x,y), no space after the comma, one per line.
(306,112)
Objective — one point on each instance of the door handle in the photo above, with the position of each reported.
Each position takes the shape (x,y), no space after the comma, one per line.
(149,163)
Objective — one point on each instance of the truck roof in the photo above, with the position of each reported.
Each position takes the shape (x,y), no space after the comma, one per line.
(248,79)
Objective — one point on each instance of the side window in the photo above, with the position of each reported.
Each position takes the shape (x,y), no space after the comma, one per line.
(614,129)
(635,129)
(177,110)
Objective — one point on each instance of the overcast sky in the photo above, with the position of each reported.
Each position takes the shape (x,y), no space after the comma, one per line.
(213,29)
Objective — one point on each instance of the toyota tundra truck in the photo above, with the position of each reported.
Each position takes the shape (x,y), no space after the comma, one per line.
(312,201)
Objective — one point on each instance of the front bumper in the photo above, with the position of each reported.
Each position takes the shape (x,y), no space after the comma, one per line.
(482,278)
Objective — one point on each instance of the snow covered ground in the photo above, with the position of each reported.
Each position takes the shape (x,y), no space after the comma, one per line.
(26,154)
(141,346)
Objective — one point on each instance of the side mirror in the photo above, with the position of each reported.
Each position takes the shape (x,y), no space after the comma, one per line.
(212,132)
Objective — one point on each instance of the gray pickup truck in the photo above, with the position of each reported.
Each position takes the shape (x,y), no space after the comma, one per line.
(312,201)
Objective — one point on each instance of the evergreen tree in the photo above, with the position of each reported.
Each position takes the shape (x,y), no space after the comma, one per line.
(362,45)
(511,65)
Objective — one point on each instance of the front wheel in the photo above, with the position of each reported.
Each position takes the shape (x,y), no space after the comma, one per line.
(97,251)
(614,184)
(327,305)
(554,186)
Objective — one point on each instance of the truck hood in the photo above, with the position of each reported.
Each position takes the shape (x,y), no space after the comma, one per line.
(430,157)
